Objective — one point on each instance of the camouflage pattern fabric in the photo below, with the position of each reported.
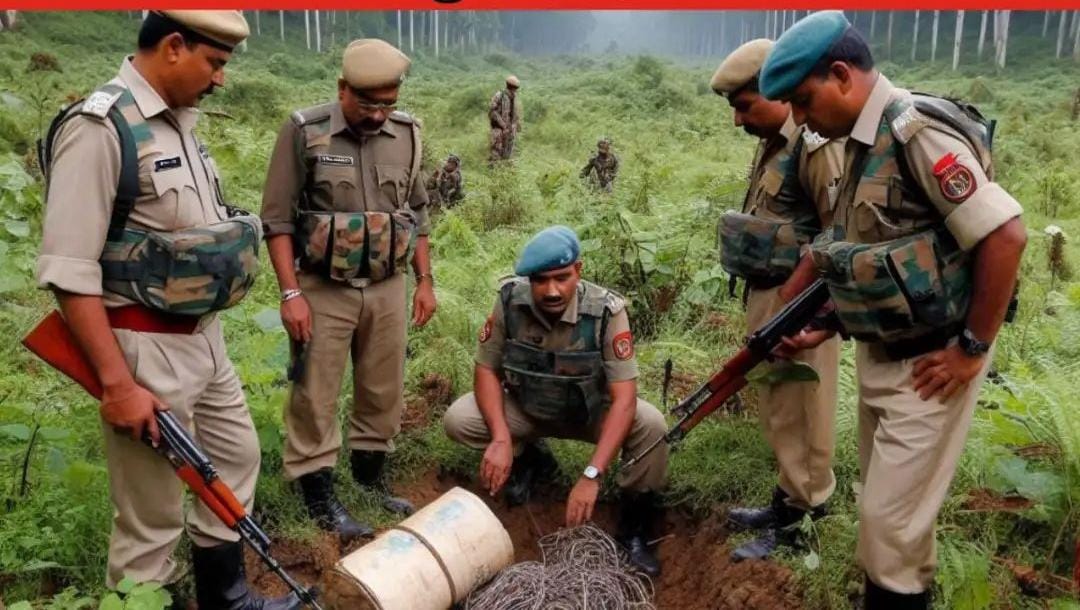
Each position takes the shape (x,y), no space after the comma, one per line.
(445,187)
(194,271)
(902,289)
(761,250)
(502,114)
(601,170)
(567,386)
(358,248)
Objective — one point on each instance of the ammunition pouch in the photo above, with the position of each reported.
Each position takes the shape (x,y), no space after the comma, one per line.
(764,252)
(566,387)
(358,248)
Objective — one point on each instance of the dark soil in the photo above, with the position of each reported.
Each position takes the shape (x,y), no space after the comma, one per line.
(433,398)
(988,501)
(697,571)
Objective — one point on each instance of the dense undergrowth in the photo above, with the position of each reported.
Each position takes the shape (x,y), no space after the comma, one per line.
(653,240)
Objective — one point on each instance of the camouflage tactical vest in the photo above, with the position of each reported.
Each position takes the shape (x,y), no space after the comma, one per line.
(191,271)
(905,277)
(355,248)
(763,245)
(567,386)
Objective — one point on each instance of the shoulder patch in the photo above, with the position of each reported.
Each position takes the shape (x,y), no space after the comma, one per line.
(401,117)
(623,345)
(99,103)
(955,179)
(614,302)
(906,124)
(813,140)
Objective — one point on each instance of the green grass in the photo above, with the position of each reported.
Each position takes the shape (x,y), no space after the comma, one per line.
(683,162)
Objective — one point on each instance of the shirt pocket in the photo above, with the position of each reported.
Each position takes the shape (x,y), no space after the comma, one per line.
(872,198)
(393,184)
(337,185)
(768,190)
(176,201)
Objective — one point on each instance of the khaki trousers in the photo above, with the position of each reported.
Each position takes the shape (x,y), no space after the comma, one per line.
(908,451)
(193,376)
(465,424)
(368,324)
(798,417)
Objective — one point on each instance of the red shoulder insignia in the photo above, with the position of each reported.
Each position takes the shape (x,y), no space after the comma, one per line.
(955,180)
(623,345)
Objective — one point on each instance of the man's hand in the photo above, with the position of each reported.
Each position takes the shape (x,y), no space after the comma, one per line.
(296,316)
(806,339)
(423,302)
(495,467)
(131,408)
(944,372)
(581,502)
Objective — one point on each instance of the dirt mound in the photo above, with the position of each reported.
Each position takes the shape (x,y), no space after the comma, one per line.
(435,394)
(697,571)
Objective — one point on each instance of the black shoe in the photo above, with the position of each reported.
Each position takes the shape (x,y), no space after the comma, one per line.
(367,470)
(535,464)
(761,517)
(763,546)
(878,598)
(220,583)
(637,513)
(327,511)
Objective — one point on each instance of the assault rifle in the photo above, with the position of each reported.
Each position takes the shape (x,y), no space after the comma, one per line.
(52,341)
(725,384)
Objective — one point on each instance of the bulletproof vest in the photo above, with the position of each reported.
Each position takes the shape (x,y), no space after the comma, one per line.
(191,271)
(763,245)
(905,277)
(567,386)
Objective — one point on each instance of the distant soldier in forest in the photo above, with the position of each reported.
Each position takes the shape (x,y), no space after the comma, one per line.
(921,263)
(445,186)
(503,115)
(603,167)
(787,203)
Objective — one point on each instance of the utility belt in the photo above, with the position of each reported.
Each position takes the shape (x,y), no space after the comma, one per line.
(904,349)
(762,251)
(902,293)
(191,272)
(357,248)
(140,318)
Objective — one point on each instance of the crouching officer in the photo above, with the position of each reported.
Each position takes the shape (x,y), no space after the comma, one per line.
(787,203)
(345,213)
(556,359)
(141,251)
(921,264)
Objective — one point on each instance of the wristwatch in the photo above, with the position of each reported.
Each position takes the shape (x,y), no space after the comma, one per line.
(971,345)
(592,473)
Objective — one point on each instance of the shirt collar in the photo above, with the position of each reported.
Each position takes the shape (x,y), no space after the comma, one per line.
(866,126)
(149,101)
(338,124)
(789,128)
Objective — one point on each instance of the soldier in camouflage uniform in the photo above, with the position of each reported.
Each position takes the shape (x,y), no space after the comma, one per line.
(556,359)
(505,120)
(445,184)
(603,167)
(125,170)
(788,202)
(344,204)
(921,263)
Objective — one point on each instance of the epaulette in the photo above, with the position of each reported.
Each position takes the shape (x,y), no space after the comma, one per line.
(401,116)
(615,302)
(314,114)
(813,140)
(905,120)
(99,103)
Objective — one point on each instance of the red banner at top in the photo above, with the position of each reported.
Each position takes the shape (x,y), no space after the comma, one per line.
(509,5)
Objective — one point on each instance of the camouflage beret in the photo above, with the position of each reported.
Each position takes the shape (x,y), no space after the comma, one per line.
(741,66)
(512,81)
(797,52)
(370,63)
(553,248)
(227,28)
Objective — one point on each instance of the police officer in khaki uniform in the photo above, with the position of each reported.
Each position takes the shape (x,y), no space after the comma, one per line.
(505,119)
(921,264)
(556,359)
(101,203)
(790,184)
(344,211)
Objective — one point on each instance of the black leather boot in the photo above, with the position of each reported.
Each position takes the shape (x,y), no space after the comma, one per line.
(220,583)
(758,518)
(638,511)
(367,470)
(878,598)
(327,511)
(784,530)
(536,463)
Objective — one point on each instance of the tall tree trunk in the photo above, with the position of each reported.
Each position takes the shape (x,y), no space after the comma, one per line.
(1072,27)
(1046,22)
(1003,37)
(768,32)
(307,28)
(959,38)
(399,29)
(982,34)
(1076,40)
(258,24)
(915,37)
(873,24)
(411,46)
(281,24)
(446,31)
(933,43)
(1061,34)
(435,33)
(318,33)
(888,36)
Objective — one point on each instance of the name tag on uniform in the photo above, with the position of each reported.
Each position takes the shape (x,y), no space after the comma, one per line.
(334,159)
(163,164)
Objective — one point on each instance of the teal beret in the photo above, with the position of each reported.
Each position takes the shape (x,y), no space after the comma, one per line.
(552,248)
(798,51)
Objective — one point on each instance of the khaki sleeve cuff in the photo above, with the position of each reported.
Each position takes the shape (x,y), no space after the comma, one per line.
(984,211)
(74,275)
(278,227)
(621,370)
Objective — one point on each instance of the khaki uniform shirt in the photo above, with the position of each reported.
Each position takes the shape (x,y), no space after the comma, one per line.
(985,209)
(335,169)
(620,363)
(179,188)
